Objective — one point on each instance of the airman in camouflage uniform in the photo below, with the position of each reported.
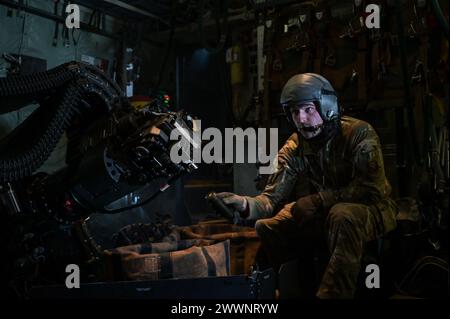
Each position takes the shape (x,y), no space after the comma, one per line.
(342,159)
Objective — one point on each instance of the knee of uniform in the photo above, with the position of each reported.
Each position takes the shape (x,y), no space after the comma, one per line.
(261,227)
(340,213)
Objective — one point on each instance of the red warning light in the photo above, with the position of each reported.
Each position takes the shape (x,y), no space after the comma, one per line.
(68,204)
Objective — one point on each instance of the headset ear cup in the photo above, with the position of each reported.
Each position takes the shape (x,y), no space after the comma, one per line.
(329,108)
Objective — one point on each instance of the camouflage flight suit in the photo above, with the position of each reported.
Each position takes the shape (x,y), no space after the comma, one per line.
(348,174)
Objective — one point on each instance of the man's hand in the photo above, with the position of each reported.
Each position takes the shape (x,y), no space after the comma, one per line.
(306,208)
(238,203)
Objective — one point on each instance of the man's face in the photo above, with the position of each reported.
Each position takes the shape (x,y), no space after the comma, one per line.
(307,119)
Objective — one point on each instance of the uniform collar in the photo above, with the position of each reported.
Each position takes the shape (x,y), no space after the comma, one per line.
(306,147)
(314,146)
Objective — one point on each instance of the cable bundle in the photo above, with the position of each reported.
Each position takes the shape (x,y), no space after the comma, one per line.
(22,152)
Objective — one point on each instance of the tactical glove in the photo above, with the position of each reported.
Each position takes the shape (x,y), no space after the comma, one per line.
(238,203)
(306,208)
